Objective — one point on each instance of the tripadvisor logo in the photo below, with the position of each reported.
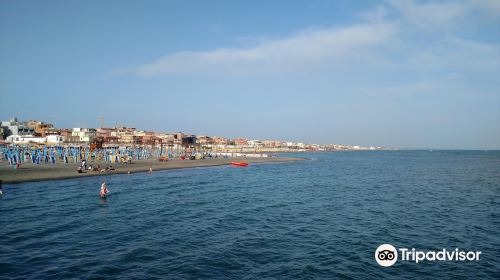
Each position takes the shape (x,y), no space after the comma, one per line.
(387,255)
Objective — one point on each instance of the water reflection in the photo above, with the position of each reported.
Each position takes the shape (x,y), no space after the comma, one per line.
(103,201)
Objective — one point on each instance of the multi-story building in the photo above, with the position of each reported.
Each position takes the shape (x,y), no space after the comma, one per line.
(85,135)
(118,135)
(166,138)
(39,127)
(204,141)
(103,136)
(29,139)
(149,138)
(65,133)
(273,144)
(25,139)
(242,142)
(255,143)
(125,134)
(15,127)
(178,138)
(310,147)
(55,139)
(220,141)
(188,140)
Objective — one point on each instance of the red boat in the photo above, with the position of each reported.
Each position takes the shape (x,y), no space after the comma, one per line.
(239,164)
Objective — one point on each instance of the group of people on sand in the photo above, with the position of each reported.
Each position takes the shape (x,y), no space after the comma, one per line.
(83,167)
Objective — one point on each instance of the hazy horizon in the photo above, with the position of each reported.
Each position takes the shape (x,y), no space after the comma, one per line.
(398,74)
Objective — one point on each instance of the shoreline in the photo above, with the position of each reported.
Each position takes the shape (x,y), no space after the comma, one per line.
(29,172)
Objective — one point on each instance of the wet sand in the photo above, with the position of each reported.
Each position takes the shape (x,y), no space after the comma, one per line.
(32,172)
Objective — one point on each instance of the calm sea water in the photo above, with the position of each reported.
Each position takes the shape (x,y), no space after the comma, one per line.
(315,219)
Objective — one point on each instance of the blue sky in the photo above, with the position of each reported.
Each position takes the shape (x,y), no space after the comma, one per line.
(413,74)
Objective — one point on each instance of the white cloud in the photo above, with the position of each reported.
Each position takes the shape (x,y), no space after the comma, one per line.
(489,6)
(308,48)
(428,14)
(384,42)
(453,54)
(439,15)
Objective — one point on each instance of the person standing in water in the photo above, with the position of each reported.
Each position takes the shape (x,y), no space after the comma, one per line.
(104,190)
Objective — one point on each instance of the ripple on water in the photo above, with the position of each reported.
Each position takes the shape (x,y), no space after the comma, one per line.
(315,219)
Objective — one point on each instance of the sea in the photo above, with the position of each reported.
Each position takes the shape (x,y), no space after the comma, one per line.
(322,218)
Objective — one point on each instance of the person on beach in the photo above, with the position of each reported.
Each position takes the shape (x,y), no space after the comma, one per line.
(150,170)
(104,189)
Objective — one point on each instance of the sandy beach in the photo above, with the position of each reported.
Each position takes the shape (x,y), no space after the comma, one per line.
(32,172)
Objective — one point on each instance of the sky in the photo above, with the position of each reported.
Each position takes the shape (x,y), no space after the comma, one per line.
(395,73)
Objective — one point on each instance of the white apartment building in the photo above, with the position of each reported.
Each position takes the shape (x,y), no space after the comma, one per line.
(84,134)
(15,127)
(25,139)
(29,139)
(54,139)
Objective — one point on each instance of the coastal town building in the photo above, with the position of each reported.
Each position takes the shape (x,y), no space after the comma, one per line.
(240,142)
(65,133)
(188,140)
(220,141)
(33,131)
(148,138)
(167,138)
(85,135)
(204,141)
(29,139)
(272,143)
(15,127)
(255,143)
(124,134)
(103,136)
(54,139)
(39,127)
(178,138)
(25,139)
